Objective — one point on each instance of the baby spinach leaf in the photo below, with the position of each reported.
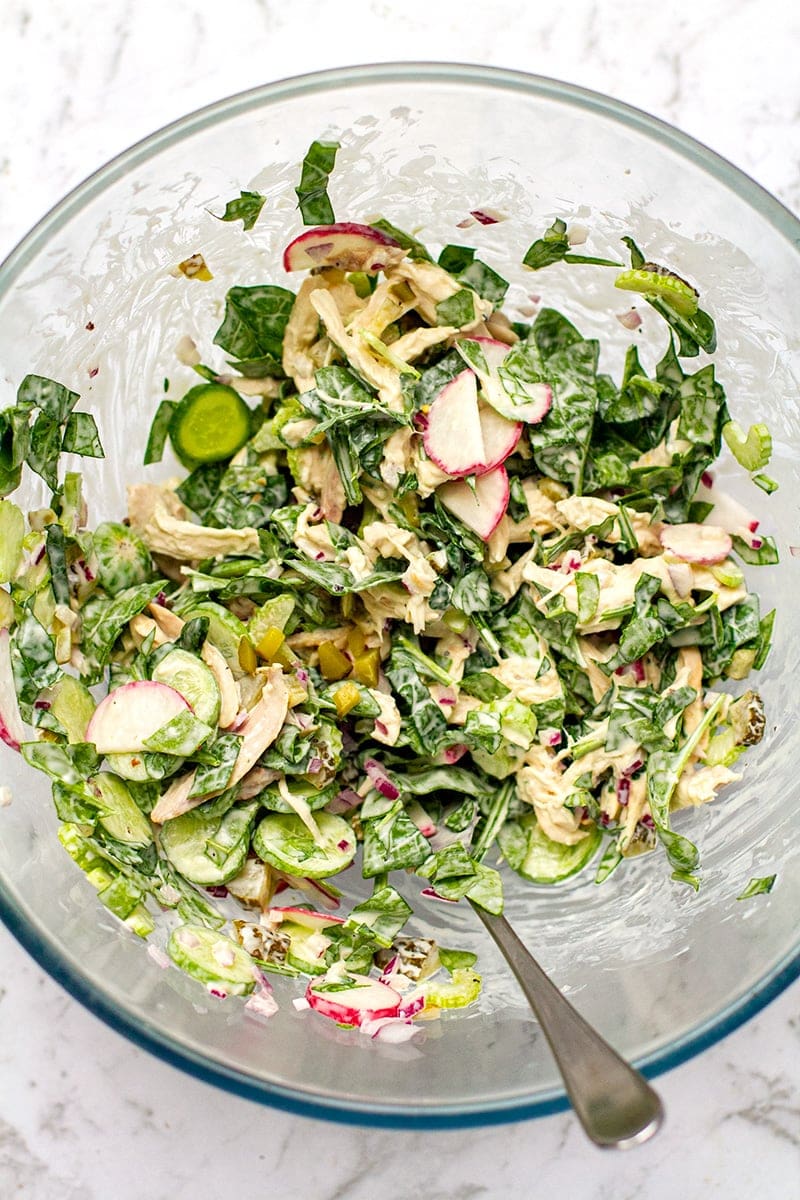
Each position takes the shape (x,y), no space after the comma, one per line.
(312,191)
(253,327)
(245,208)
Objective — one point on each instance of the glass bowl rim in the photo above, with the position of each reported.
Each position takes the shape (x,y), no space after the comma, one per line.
(42,950)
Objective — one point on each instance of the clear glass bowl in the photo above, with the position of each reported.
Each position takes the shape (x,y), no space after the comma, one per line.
(661,972)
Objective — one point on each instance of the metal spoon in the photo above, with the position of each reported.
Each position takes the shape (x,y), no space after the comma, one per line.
(614,1103)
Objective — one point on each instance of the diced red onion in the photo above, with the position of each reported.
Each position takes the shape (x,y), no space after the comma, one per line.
(344,801)
(261,979)
(317,514)
(381,780)
(633,767)
(432,894)
(261,1004)
(623,790)
(486,216)
(343,844)
(451,754)
(217,992)
(217,889)
(44,705)
(315,764)
(320,251)
(389,970)
(446,701)
(630,319)
(551,737)
(756,543)
(161,599)
(158,956)
(707,479)
(794,551)
(377,266)
(382,727)
(647,821)
(319,556)
(466,223)
(392,1030)
(302,675)
(754,525)
(604,819)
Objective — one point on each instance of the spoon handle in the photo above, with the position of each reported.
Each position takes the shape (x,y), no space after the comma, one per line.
(614,1103)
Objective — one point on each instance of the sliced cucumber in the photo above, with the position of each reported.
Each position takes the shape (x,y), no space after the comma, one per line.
(458,992)
(72,705)
(187,674)
(313,797)
(283,840)
(143,768)
(225,631)
(119,814)
(212,958)
(307,948)
(12,534)
(209,850)
(209,424)
(123,560)
(537,857)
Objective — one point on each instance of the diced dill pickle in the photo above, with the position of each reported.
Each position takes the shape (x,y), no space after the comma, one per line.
(333,664)
(356,642)
(270,643)
(247,656)
(366,668)
(346,698)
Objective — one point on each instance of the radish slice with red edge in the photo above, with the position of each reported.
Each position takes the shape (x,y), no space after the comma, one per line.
(353,999)
(128,716)
(515,399)
(729,514)
(453,438)
(483,509)
(12,730)
(345,245)
(704,544)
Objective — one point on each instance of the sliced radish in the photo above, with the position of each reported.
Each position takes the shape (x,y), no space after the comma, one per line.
(500,436)
(522,401)
(12,730)
(345,245)
(365,1000)
(730,515)
(303,916)
(696,543)
(453,438)
(481,510)
(128,716)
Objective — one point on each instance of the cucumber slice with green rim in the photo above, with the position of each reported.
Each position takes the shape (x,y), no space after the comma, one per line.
(143,768)
(12,534)
(225,631)
(212,958)
(283,840)
(307,948)
(313,797)
(123,560)
(72,706)
(187,674)
(118,812)
(539,859)
(209,850)
(651,280)
(209,424)
(457,992)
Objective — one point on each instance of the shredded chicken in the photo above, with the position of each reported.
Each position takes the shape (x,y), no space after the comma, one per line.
(302,328)
(384,378)
(166,534)
(259,730)
(320,477)
(540,784)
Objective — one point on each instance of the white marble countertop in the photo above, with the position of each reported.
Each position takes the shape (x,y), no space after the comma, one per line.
(83,1114)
